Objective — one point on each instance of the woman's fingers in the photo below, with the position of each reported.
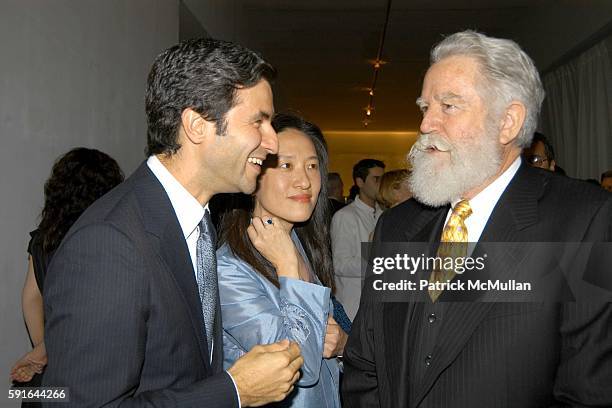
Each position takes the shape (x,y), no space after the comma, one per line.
(258,224)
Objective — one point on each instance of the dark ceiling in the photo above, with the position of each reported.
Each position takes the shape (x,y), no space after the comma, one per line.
(321,48)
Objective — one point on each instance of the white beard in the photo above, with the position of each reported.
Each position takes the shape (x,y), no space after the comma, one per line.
(436,181)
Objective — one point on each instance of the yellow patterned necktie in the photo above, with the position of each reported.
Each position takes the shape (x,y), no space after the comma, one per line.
(453,244)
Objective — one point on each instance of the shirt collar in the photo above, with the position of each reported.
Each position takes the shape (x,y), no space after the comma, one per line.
(485,201)
(188,210)
(359,203)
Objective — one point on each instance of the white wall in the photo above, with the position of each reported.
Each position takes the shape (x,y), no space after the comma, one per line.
(222,19)
(189,25)
(72,73)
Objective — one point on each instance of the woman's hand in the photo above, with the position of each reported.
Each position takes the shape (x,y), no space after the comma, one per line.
(275,244)
(32,363)
(335,339)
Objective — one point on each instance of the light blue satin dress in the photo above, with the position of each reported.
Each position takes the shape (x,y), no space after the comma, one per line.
(257,312)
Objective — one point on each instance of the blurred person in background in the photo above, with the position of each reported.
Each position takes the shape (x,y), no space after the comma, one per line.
(606,180)
(78,178)
(353,192)
(394,188)
(335,189)
(351,226)
(540,153)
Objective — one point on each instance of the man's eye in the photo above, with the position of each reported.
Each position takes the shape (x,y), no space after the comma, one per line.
(284,165)
(313,166)
(447,106)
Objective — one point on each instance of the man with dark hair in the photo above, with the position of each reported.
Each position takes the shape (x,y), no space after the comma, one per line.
(335,189)
(606,180)
(131,297)
(351,226)
(447,347)
(540,153)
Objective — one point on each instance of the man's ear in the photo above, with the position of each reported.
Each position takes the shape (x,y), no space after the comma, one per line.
(552,165)
(512,122)
(359,182)
(195,127)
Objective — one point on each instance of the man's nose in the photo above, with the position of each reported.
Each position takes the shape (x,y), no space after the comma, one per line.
(430,121)
(269,140)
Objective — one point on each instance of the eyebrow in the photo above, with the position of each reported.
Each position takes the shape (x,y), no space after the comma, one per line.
(291,156)
(261,115)
(443,97)
(447,96)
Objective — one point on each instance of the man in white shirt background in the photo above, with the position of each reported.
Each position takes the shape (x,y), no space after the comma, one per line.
(351,226)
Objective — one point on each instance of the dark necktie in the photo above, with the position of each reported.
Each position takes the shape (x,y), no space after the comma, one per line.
(207,274)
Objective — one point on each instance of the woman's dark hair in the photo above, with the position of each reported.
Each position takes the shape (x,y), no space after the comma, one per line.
(354,190)
(78,178)
(201,74)
(313,233)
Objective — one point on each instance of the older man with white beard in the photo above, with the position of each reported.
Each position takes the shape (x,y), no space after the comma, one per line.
(480,102)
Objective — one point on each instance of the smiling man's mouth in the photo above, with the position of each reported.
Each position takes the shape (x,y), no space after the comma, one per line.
(255,160)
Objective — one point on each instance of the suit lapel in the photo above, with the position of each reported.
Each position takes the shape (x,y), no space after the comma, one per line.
(426,226)
(160,220)
(176,256)
(516,210)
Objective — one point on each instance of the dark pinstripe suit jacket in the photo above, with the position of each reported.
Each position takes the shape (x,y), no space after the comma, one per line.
(124,325)
(492,354)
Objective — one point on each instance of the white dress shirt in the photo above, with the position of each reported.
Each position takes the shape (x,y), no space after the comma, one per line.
(483,203)
(189,213)
(351,225)
(187,209)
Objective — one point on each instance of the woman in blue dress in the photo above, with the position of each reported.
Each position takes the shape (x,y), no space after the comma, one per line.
(275,269)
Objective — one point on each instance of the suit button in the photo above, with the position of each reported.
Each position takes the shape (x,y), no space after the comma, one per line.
(432,318)
(428,360)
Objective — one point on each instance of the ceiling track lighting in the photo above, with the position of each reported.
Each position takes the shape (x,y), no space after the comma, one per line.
(377,63)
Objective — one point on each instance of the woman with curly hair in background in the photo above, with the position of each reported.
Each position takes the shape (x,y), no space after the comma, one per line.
(78,178)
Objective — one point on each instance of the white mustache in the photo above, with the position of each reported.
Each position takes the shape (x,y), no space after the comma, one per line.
(427,141)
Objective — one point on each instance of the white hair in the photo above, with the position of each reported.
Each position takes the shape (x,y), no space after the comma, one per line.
(509,73)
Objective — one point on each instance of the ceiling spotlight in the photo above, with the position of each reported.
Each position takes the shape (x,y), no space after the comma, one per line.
(377,63)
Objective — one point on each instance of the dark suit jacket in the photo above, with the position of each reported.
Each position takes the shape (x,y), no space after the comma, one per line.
(492,354)
(124,325)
